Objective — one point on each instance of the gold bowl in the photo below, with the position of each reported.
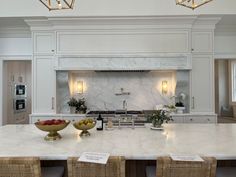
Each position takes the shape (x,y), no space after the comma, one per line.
(52,129)
(85,125)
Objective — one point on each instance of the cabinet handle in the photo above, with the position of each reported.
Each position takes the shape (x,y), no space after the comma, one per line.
(191,119)
(53,103)
(53,50)
(193,102)
(192,49)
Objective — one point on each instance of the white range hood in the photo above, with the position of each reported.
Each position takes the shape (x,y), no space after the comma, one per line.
(124,63)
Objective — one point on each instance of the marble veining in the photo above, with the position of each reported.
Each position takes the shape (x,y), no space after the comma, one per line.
(100,89)
(216,140)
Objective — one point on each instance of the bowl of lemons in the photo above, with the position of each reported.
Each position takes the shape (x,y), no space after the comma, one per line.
(85,125)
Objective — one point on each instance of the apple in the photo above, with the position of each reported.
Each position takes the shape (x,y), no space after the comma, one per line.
(52,122)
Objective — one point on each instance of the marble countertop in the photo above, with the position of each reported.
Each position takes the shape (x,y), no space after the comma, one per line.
(218,140)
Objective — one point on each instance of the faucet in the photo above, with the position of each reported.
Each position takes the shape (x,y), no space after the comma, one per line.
(125,104)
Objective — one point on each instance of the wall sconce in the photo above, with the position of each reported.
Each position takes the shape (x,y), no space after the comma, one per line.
(80,87)
(164,87)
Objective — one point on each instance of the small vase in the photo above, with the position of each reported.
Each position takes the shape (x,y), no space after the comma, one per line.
(80,112)
(72,110)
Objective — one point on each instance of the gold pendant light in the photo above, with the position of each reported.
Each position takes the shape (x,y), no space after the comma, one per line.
(192,4)
(58,4)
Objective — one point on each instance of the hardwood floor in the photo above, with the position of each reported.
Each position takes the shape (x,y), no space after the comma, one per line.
(226,120)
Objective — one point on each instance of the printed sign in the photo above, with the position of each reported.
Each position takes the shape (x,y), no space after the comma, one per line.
(195,158)
(94,157)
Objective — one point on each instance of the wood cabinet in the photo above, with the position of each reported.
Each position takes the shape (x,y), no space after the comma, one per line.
(202,81)
(44,43)
(44,85)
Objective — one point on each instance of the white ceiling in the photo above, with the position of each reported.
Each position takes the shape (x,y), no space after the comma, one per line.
(228,20)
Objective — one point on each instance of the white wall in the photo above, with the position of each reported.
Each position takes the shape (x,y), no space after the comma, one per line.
(15,46)
(114,8)
(225,45)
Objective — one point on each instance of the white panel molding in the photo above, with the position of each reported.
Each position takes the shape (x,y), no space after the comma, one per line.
(225,55)
(152,41)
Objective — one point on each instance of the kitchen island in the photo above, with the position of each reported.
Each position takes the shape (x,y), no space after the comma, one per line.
(218,140)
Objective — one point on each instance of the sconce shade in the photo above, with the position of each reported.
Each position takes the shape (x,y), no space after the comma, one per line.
(80,87)
(58,4)
(164,87)
(192,4)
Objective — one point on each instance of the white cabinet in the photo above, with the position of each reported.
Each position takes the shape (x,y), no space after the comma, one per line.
(202,93)
(177,119)
(202,42)
(44,43)
(200,119)
(44,85)
(194,118)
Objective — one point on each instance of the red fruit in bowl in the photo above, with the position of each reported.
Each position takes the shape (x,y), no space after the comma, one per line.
(52,122)
(57,122)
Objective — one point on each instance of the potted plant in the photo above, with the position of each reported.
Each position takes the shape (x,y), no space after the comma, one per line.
(158,117)
(77,106)
(81,107)
(73,104)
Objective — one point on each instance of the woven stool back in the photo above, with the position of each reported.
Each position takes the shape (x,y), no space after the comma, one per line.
(166,167)
(115,167)
(20,167)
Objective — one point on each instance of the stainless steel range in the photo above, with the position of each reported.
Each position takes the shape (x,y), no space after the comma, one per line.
(117,116)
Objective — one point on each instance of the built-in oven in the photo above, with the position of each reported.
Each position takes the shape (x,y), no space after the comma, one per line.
(20,90)
(19,105)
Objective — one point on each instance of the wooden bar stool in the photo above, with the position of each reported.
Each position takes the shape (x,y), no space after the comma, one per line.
(115,167)
(27,167)
(166,167)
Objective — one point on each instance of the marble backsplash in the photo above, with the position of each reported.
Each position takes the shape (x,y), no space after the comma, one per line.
(101,88)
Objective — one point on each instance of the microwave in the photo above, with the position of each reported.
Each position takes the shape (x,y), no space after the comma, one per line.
(20,90)
(19,105)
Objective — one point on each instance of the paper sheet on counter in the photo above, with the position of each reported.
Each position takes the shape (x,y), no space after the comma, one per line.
(195,158)
(94,157)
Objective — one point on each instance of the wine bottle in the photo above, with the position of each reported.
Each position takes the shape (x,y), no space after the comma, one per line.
(99,122)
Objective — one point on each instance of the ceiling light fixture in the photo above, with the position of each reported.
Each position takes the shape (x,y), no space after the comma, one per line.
(192,4)
(58,4)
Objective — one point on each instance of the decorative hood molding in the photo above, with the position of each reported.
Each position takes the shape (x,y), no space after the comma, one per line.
(125,63)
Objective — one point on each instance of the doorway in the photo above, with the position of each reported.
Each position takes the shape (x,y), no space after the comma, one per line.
(224,104)
(17,79)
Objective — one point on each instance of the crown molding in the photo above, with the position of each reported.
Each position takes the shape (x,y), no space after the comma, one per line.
(55,23)
(123,22)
